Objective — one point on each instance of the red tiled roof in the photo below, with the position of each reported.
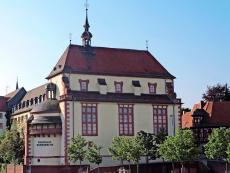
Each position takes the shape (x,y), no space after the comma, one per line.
(109,61)
(187,120)
(3,105)
(218,114)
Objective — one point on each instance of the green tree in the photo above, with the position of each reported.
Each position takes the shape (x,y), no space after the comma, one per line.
(118,149)
(217,146)
(135,150)
(93,155)
(12,146)
(179,148)
(77,149)
(148,141)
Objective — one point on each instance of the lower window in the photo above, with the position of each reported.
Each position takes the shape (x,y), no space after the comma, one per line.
(126,122)
(160,120)
(89,119)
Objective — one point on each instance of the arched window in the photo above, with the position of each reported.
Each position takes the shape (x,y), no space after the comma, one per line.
(40,98)
(31,101)
(36,100)
(27,103)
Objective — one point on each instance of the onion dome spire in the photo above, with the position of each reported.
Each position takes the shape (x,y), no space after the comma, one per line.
(86,35)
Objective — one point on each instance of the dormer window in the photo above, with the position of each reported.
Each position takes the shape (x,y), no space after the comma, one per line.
(40,99)
(137,87)
(27,103)
(83,85)
(118,87)
(51,91)
(152,88)
(36,100)
(31,101)
(102,86)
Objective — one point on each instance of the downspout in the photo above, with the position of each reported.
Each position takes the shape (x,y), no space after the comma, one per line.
(73,115)
(173,120)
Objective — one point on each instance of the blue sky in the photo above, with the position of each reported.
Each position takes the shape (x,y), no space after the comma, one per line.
(190,38)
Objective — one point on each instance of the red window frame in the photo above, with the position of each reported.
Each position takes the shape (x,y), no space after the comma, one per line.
(152,88)
(118,87)
(160,118)
(89,119)
(83,85)
(126,119)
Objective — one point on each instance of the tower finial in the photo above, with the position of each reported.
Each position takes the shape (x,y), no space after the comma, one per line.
(17,84)
(147,45)
(70,38)
(86,35)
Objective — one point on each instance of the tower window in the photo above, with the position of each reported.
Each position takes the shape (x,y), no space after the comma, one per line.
(83,85)
(118,87)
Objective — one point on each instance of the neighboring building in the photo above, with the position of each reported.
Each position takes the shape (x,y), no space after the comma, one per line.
(99,93)
(3,110)
(204,117)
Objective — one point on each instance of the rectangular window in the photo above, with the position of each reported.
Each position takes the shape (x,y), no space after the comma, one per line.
(83,85)
(89,119)
(1,115)
(152,88)
(126,121)
(118,87)
(1,125)
(160,119)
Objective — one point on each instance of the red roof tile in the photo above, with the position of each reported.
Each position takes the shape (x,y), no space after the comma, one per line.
(218,114)
(187,120)
(109,61)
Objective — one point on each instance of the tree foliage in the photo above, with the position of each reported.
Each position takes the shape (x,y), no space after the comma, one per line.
(118,148)
(12,146)
(179,148)
(217,144)
(217,147)
(127,148)
(93,154)
(217,93)
(148,141)
(77,149)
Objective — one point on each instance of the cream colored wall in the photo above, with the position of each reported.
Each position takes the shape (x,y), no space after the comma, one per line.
(127,83)
(58,81)
(108,125)
(47,151)
(93,84)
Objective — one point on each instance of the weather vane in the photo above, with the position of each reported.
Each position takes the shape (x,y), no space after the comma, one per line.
(147,45)
(86,5)
(70,37)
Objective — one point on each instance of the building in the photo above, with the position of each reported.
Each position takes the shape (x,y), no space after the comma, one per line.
(204,117)
(3,110)
(99,93)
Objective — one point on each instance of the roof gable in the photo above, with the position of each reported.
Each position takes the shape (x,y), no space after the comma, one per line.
(109,61)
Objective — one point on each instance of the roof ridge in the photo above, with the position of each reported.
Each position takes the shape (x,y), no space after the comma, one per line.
(117,48)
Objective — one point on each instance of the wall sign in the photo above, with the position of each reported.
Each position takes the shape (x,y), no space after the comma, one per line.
(44,143)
